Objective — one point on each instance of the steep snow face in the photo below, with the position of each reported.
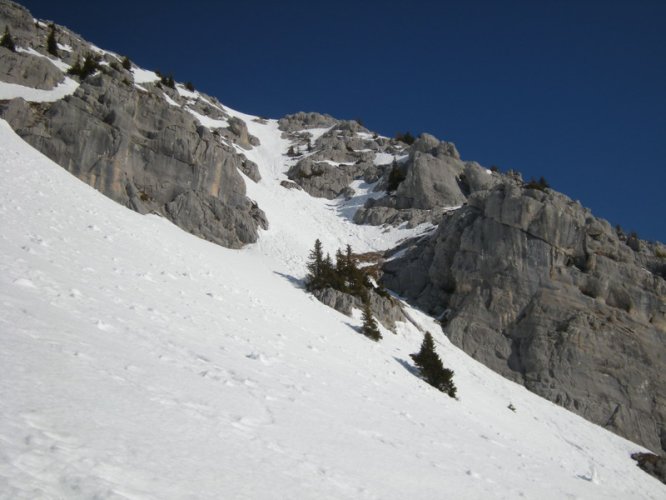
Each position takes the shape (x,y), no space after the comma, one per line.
(139,361)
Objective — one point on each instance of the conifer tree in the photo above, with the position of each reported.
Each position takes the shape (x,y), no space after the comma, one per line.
(396,176)
(51,43)
(90,65)
(341,278)
(369,328)
(315,267)
(127,64)
(7,41)
(329,277)
(432,369)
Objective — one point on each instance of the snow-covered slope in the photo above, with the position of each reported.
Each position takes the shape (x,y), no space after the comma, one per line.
(141,362)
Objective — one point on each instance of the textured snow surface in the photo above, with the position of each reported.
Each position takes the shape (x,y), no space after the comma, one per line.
(12,91)
(139,361)
(144,75)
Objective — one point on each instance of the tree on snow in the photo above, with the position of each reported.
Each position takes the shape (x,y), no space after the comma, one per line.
(369,328)
(51,44)
(431,367)
(319,267)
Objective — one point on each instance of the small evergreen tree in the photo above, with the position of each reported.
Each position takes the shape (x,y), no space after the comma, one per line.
(396,176)
(127,64)
(75,69)
(407,138)
(51,43)
(90,65)
(432,369)
(541,184)
(168,81)
(189,86)
(319,268)
(369,328)
(7,41)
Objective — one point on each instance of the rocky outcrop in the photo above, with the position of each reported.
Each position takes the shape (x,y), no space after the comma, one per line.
(302,121)
(432,181)
(326,167)
(654,465)
(532,285)
(147,146)
(28,70)
(386,309)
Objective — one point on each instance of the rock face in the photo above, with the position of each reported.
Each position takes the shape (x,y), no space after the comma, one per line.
(28,69)
(345,152)
(147,146)
(532,285)
(386,309)
(432,182)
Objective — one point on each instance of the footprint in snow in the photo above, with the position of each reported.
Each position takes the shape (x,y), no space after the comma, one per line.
(24,282)
(257,356)
(105,327)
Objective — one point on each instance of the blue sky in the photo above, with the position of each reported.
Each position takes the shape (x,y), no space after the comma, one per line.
(571,90)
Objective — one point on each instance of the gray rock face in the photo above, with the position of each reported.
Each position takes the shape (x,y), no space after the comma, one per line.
(387,310)
(28,70)
(136,146)
(18,18)
(532,285)
(433,180)
(341,155)
(301,121)
(427,143)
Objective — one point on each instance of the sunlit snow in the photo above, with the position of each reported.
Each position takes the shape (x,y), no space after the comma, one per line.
(139,361)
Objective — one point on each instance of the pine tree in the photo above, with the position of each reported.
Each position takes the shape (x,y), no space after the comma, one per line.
(329,277)
(341,279)
(127,64)
(6,41)
(90,65)
(315,278)
(396,176)
(432,369)
(51,43)
(369,328)
(168,81)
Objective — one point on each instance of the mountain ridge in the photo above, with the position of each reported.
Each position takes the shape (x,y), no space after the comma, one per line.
(185,156)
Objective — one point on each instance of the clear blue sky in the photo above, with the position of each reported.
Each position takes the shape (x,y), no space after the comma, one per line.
(574,90)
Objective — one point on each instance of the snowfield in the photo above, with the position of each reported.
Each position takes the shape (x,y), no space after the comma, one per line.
(141,362)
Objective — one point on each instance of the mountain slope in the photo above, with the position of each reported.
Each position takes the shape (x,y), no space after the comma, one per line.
(135,370)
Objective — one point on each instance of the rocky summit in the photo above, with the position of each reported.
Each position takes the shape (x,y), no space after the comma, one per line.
(521,277)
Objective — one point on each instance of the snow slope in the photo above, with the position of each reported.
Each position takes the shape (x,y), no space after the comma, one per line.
(139,361)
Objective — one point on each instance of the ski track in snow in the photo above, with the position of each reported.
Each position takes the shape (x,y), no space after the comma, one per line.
(139,361)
